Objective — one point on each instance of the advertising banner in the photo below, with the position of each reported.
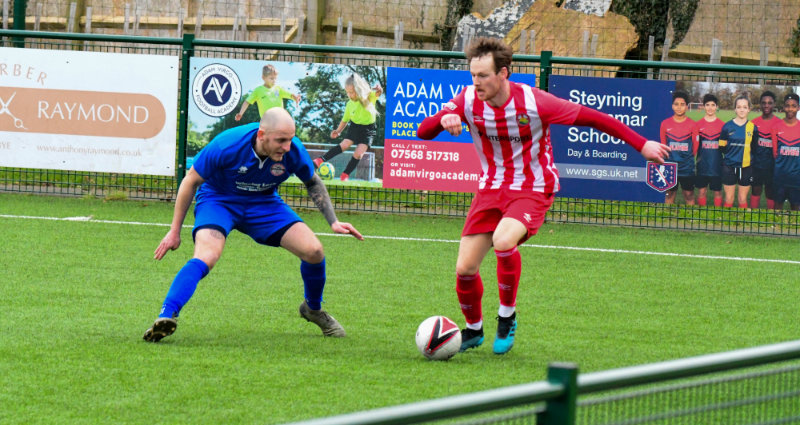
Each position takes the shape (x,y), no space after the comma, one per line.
(594,165)
(445,163)
(226,93)
(61,110)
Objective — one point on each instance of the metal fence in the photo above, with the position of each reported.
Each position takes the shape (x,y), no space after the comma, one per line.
(378,199)
(759,385)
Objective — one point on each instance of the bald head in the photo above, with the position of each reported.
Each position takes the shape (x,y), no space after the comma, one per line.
(275,133)
(276,118)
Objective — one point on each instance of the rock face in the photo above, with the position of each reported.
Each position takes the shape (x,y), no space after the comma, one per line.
(589,7)
(558,29)
(496,25)
(562,32)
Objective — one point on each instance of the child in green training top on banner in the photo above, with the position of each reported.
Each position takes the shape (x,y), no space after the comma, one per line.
(360,112)
(268,95)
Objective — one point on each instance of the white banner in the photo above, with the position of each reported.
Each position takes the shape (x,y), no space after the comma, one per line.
(87,111)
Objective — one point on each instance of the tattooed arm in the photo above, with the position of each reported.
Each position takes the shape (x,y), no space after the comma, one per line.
(319,195)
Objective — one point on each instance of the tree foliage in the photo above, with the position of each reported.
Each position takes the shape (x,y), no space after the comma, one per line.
(651,17)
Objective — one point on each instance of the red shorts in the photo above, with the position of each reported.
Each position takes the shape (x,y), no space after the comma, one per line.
(490,206)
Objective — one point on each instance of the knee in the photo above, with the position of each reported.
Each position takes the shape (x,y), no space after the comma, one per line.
(210,259)
(314,254)
(465,269)
(503,243)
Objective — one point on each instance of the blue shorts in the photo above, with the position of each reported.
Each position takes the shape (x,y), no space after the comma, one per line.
(263,219)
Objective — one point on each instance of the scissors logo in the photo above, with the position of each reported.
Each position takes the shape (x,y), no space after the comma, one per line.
(4,110)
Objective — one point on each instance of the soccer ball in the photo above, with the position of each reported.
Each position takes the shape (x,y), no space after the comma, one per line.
(438,338)
(326,171)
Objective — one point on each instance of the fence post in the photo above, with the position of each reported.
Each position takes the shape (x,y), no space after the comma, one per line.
(544,69)
(187,51)
(19,20)
(561,410)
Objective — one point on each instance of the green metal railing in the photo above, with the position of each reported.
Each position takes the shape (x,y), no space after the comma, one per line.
(558,399)
(378,199)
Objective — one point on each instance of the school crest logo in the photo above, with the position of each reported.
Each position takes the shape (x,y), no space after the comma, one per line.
(277,169)
(662,177)
(242,170)
(523,119)
(216,90)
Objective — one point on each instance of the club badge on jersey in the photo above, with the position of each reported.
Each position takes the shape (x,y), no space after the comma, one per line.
(662,177)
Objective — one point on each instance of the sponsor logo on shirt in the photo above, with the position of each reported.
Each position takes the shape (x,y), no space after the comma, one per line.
(216,90)
(450,106)
(277,169)
(242,169)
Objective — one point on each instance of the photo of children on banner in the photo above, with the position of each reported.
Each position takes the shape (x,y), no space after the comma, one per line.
(359,120)
(679,133)
(763,159)
(738,140)
(268,95)
(786,151)
(709,157)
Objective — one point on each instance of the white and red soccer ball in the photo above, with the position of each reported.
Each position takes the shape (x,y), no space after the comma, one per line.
(438,338)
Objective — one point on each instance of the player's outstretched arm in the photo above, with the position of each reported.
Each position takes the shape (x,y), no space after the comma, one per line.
(435,124)
(655,151)
(319,194)
(183,200)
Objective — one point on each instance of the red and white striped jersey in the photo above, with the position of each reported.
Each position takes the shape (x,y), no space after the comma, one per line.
(513,141)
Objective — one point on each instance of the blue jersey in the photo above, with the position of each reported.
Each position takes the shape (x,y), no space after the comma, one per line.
(709,158)
(232,170)
(737,143)
(787,151)
(763,158)
(680,136)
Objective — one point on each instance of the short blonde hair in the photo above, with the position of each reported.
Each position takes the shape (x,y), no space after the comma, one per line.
(268,70)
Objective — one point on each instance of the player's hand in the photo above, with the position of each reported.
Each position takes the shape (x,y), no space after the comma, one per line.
(238,117)
(346,229)
(654,151)
(334,134)
(452,123)
(296,98)
(171,242)
(378,90)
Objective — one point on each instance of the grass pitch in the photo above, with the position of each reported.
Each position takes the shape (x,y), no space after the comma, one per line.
(77,295)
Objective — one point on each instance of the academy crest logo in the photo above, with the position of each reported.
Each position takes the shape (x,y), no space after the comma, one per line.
(523,119)
(242,170)
(277,169)
(662,177)
(216,90)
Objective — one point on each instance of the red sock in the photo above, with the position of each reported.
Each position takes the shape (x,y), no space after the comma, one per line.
(727,205)
(718,202)
(509,268)
(470,292)
(755,201)
(771,204)
(743,205)
(701,201)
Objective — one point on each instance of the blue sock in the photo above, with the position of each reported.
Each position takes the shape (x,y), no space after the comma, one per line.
(313,282)
(183,287)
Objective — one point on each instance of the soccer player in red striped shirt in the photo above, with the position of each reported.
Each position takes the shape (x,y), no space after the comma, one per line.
(509,123)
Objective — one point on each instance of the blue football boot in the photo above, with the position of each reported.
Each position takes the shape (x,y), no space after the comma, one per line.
(506,328)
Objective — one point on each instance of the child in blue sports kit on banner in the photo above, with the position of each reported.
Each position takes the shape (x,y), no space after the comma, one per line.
(238,174)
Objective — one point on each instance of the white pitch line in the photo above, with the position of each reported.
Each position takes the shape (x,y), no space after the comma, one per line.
(400,238)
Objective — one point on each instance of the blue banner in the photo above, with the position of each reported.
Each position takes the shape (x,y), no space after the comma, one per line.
(594,165)
(414,94)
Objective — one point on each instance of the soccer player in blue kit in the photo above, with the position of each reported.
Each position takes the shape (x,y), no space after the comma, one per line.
(238,174)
